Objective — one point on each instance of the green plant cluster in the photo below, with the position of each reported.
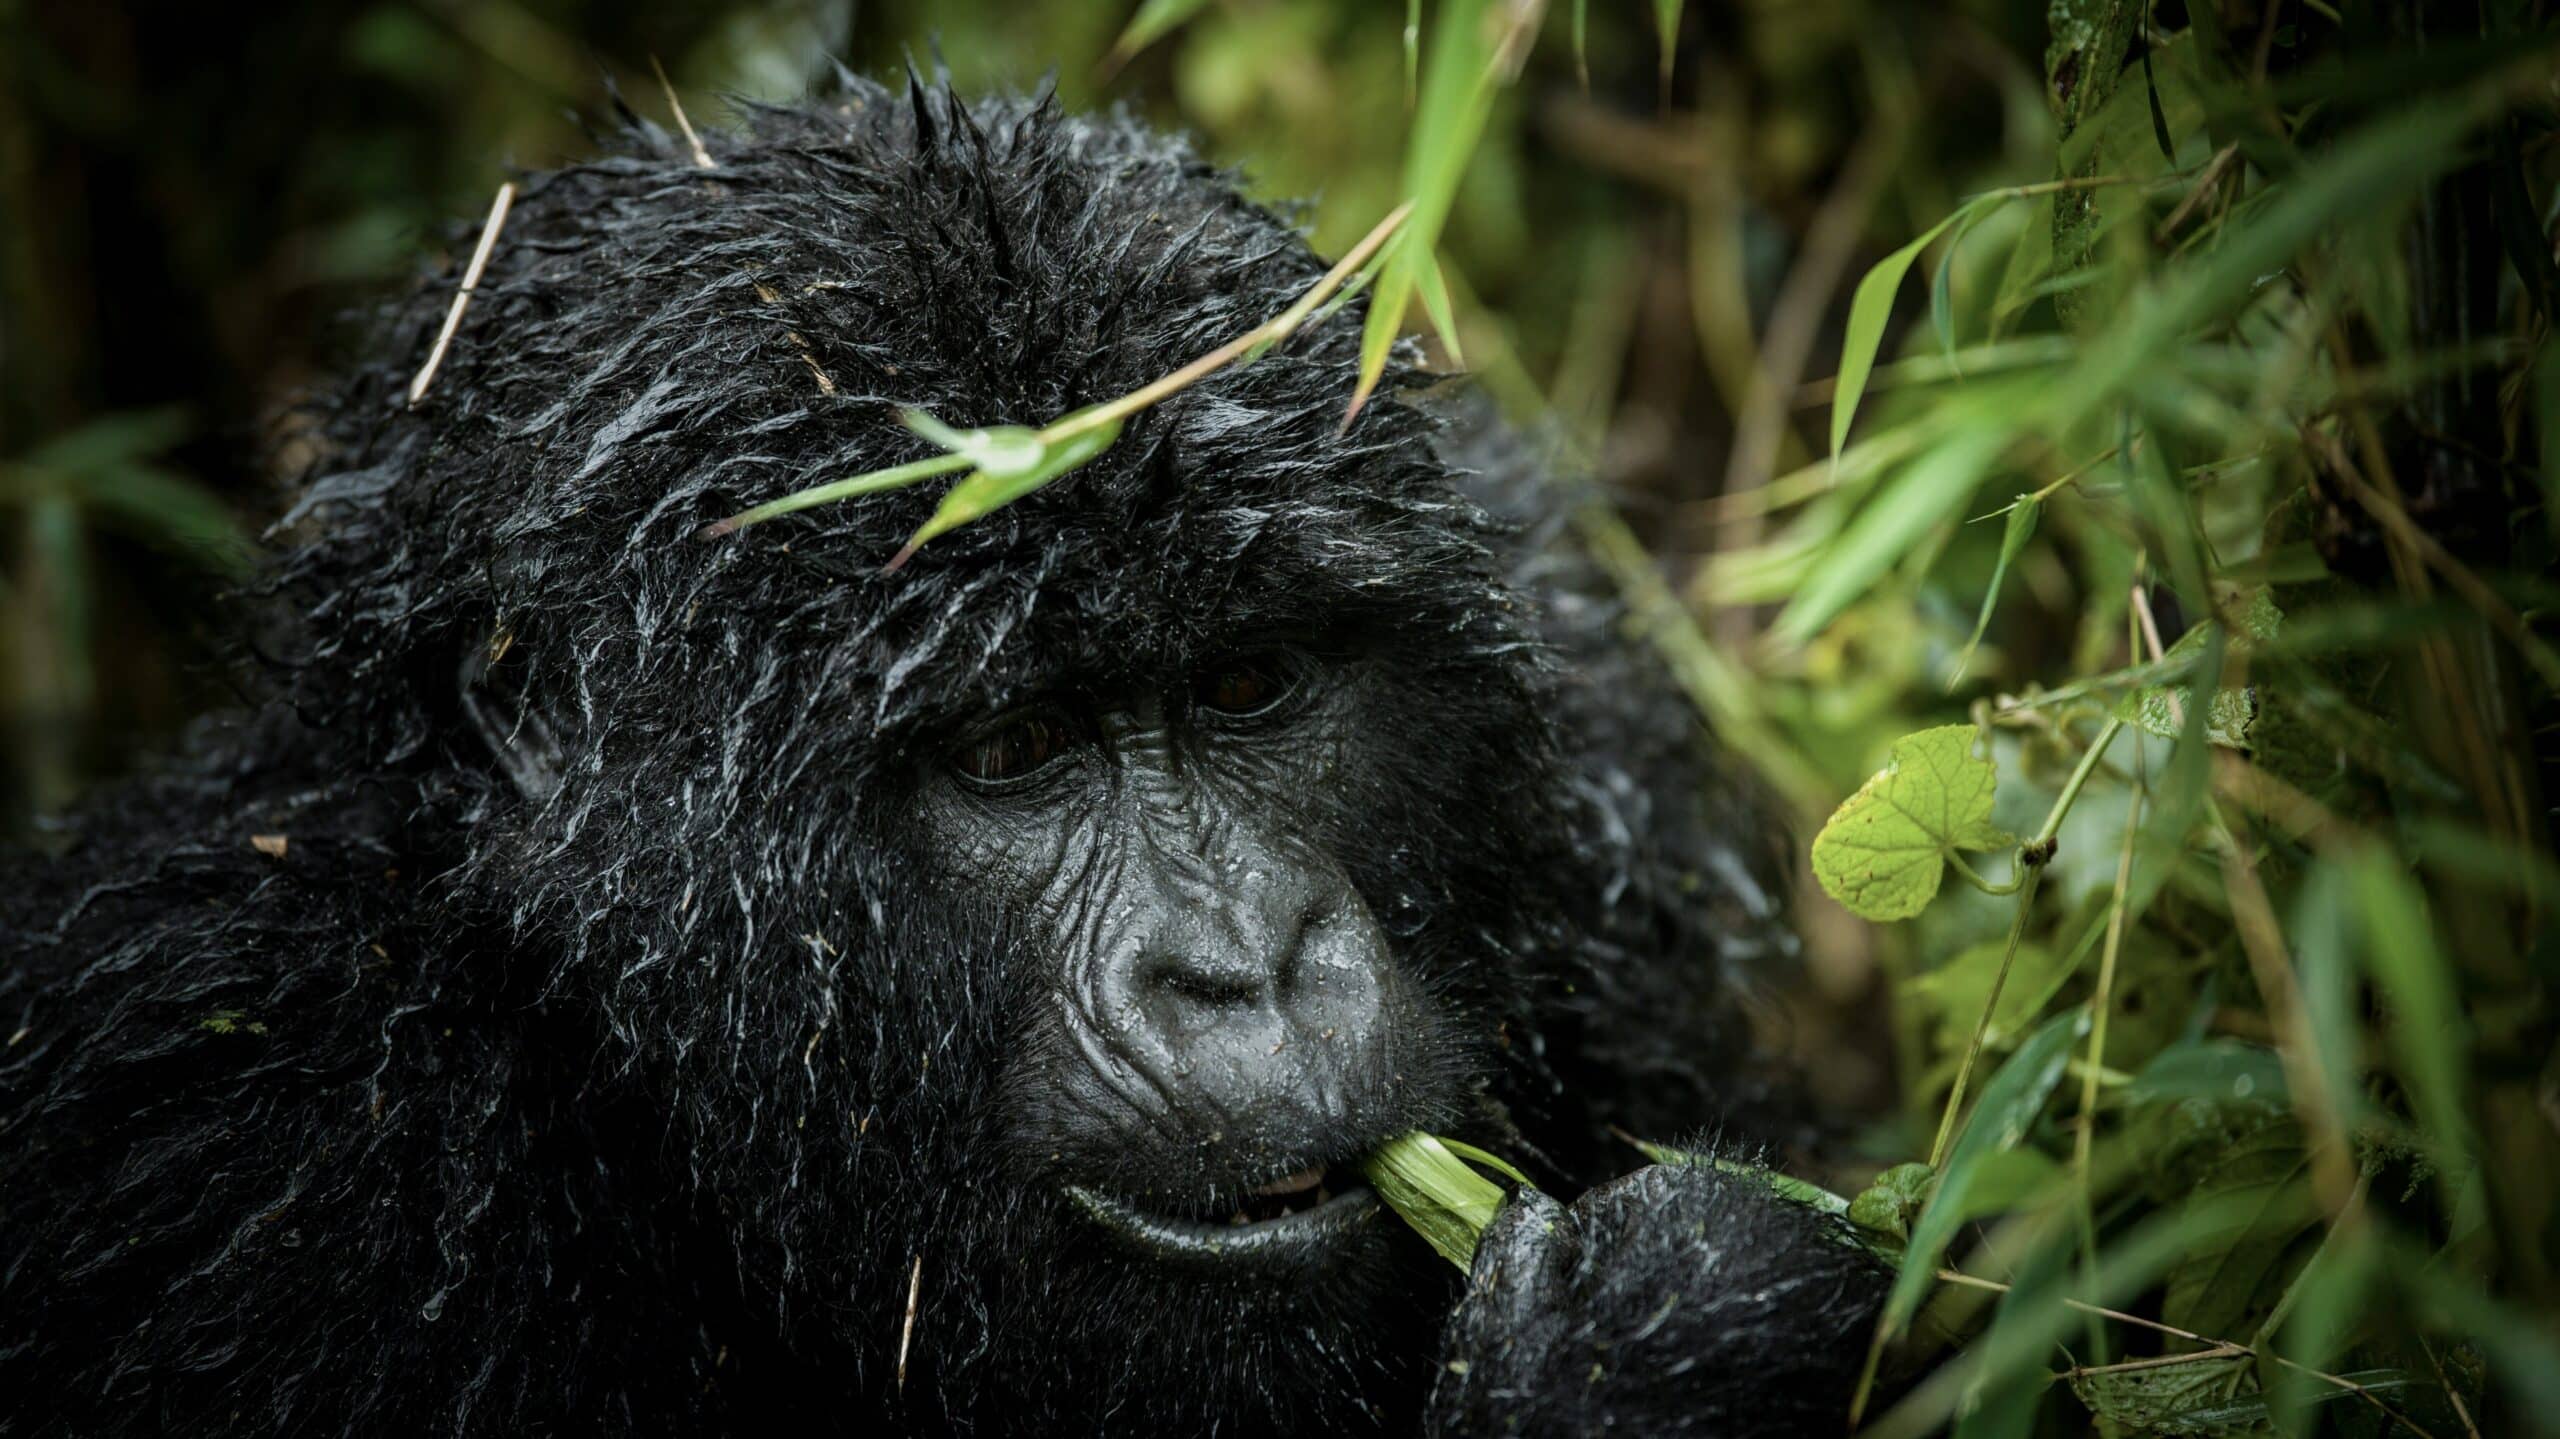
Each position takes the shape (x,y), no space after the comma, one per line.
(2238,1065)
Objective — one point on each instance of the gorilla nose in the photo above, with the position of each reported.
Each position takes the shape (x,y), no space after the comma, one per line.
(1272,1012)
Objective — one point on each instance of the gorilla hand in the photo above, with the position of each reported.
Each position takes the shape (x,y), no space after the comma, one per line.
(1677,1300)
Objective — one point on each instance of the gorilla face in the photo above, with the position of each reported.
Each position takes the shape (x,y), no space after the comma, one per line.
(1244,949)
(1220,1026)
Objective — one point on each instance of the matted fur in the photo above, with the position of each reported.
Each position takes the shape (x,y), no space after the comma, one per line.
(631,1105)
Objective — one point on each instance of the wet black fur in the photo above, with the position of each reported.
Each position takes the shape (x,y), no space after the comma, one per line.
(631,1109)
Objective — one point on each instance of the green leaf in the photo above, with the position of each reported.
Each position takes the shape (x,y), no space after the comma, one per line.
(2238,1270)
(1942,287)
(986,490)
(2029,264)
(2010,1102)
(161,508)
(1893,1201)
(2160,710)
(1004,451)
(1928,492)
(1412,50)
(123,437)
(1449,118)
(2379,165)
(2020,528)
(2428,1032)
(1883,852)
(1666,32)
(1434,288)
(1957,990)
(1869,309)
(1153,21)
(1426,1180)
(2222,1071)
(2324,951)
(2416,1395)
(1786,1186)
(2164,1398)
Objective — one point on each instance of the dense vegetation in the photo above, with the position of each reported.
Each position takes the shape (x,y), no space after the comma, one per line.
(2108,449)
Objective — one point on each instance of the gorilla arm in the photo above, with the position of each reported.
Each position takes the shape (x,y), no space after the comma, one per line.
(277,1160)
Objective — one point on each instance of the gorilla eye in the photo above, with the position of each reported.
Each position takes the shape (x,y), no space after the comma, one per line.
(1017,749)
(1249,685)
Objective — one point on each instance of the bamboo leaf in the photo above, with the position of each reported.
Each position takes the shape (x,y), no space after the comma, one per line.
(1008,476)
(1434,287)
(1449,118)
(1869,309)
(1154,20)
(2428,1031)
(2020,528)
(1929,491)
(2010,1103)
(1666,32)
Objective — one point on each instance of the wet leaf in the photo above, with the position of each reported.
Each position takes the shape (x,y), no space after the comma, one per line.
(1007,472)
(2223,1071)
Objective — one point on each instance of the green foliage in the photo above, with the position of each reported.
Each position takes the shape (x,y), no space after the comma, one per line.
(1011,461)
(1885,849)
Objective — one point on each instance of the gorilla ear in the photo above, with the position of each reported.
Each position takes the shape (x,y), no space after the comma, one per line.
(514,728)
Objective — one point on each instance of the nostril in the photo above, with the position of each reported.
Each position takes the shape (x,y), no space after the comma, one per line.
(1202,985)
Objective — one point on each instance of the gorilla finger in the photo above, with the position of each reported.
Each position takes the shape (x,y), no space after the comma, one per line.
(1531,1243)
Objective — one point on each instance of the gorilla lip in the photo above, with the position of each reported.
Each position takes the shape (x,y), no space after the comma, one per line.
(1288,1221)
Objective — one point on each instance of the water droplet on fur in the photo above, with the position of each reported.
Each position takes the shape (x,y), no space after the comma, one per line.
(433,1309)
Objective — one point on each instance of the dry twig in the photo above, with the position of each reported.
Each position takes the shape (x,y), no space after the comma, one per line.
(462,297)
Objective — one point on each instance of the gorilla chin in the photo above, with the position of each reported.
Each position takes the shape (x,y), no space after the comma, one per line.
(722,986)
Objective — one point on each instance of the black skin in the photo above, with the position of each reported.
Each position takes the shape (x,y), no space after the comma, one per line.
(684,950)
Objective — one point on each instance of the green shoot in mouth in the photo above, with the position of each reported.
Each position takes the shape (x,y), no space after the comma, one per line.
(1432,1182)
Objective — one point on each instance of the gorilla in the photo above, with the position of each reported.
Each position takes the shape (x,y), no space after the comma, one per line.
(604,979)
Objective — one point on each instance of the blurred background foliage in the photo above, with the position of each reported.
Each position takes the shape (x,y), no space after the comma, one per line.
(2160,390)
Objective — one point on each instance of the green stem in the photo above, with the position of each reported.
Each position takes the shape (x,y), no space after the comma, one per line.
(2017,876)
(2033,856)
(1982,1026)
(2044,839)
(1270,332)
(895,477)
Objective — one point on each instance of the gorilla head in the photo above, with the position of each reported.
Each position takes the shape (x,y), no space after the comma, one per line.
(687,946)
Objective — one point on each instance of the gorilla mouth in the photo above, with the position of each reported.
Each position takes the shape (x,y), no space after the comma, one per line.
(1288,1222)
